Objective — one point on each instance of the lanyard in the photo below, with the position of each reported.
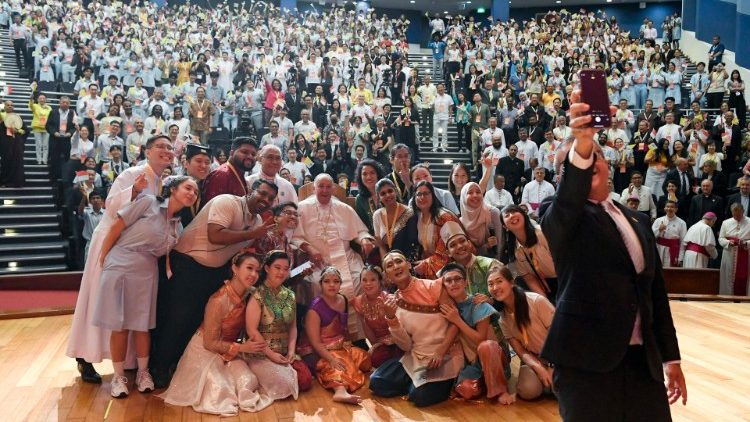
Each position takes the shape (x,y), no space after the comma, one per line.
(239,179)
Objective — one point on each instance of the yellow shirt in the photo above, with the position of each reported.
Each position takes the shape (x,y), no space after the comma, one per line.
(355,92)
(547,99)
(41,114)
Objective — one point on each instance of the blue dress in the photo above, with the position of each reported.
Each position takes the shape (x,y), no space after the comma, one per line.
(656,88)
(676,91)
(128,284)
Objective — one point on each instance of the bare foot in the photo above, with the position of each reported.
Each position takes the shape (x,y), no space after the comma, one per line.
(343,397)
(506,398)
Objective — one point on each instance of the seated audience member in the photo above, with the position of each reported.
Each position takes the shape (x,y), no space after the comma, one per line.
(211,376)
(370,311)
(426,373)
(700,243)
(525,318)
(483,372)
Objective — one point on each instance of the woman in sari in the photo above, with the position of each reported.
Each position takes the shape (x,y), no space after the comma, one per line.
(367,175)
(394,224)
(210,376)
(369,308)
(271,316)
(338,366)
(431,217)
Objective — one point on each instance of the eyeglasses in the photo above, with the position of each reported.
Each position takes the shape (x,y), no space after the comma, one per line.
(290,213)
(421,194)
(452,280)
(164,147)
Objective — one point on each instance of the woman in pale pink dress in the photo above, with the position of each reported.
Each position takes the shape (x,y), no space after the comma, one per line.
(211,377)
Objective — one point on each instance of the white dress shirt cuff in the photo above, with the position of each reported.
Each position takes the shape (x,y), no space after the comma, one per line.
(577,160)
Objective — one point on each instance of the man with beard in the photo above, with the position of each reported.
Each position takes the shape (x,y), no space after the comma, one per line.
(229,177)
(511,167)
(200,262)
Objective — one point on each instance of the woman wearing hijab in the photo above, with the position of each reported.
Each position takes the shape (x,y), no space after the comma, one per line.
(481,222)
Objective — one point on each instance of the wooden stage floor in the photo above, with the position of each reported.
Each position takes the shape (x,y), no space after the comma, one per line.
(38,383)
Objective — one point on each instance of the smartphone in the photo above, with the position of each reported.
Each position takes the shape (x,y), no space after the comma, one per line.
(594,93)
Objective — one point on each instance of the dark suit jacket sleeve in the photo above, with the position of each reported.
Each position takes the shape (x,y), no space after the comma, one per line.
(53,123)
(663,326)
(672,175)
(560,215)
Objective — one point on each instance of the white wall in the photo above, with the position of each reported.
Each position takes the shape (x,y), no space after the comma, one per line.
(697,51)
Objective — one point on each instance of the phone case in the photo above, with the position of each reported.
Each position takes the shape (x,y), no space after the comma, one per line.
(594,93)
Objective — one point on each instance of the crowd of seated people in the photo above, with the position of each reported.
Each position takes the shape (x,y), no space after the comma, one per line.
(319,93)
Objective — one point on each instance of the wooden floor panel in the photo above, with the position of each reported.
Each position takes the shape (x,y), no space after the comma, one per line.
(38,383)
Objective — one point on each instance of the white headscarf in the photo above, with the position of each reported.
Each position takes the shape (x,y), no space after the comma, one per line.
(476,221)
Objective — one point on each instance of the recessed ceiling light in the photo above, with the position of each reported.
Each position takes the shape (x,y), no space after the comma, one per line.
(558,1)
(468,2)
(609,1)
(445,11)
(412,2)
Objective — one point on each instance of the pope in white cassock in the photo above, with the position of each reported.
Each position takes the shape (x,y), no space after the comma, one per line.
(734,237)
(700,243)
(87,341)
(326,228)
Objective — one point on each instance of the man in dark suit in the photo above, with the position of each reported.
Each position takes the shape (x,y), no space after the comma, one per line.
(612,330)
(511,167)
(743,197)
(705,202)
(293,101)
(322,164)
(60,126)
(680,176)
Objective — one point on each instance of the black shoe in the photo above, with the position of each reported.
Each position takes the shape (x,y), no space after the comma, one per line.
(88,373)
(161,377)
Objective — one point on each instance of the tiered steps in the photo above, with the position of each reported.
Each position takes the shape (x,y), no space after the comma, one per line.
(31,238)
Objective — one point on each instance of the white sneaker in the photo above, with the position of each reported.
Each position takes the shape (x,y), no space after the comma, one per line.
(144,382)
(119,387)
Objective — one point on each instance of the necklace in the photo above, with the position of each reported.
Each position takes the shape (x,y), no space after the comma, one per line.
(390,230)
(324,226)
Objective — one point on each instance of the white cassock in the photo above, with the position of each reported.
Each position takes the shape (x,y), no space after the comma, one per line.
(86,340)
(698,238)
(675,232)
(329,229)
(732,228)
(534,192)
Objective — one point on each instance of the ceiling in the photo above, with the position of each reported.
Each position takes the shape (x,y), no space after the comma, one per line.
(453,6)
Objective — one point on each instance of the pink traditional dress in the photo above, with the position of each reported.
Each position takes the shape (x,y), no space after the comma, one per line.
(210,377)
(373,317)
